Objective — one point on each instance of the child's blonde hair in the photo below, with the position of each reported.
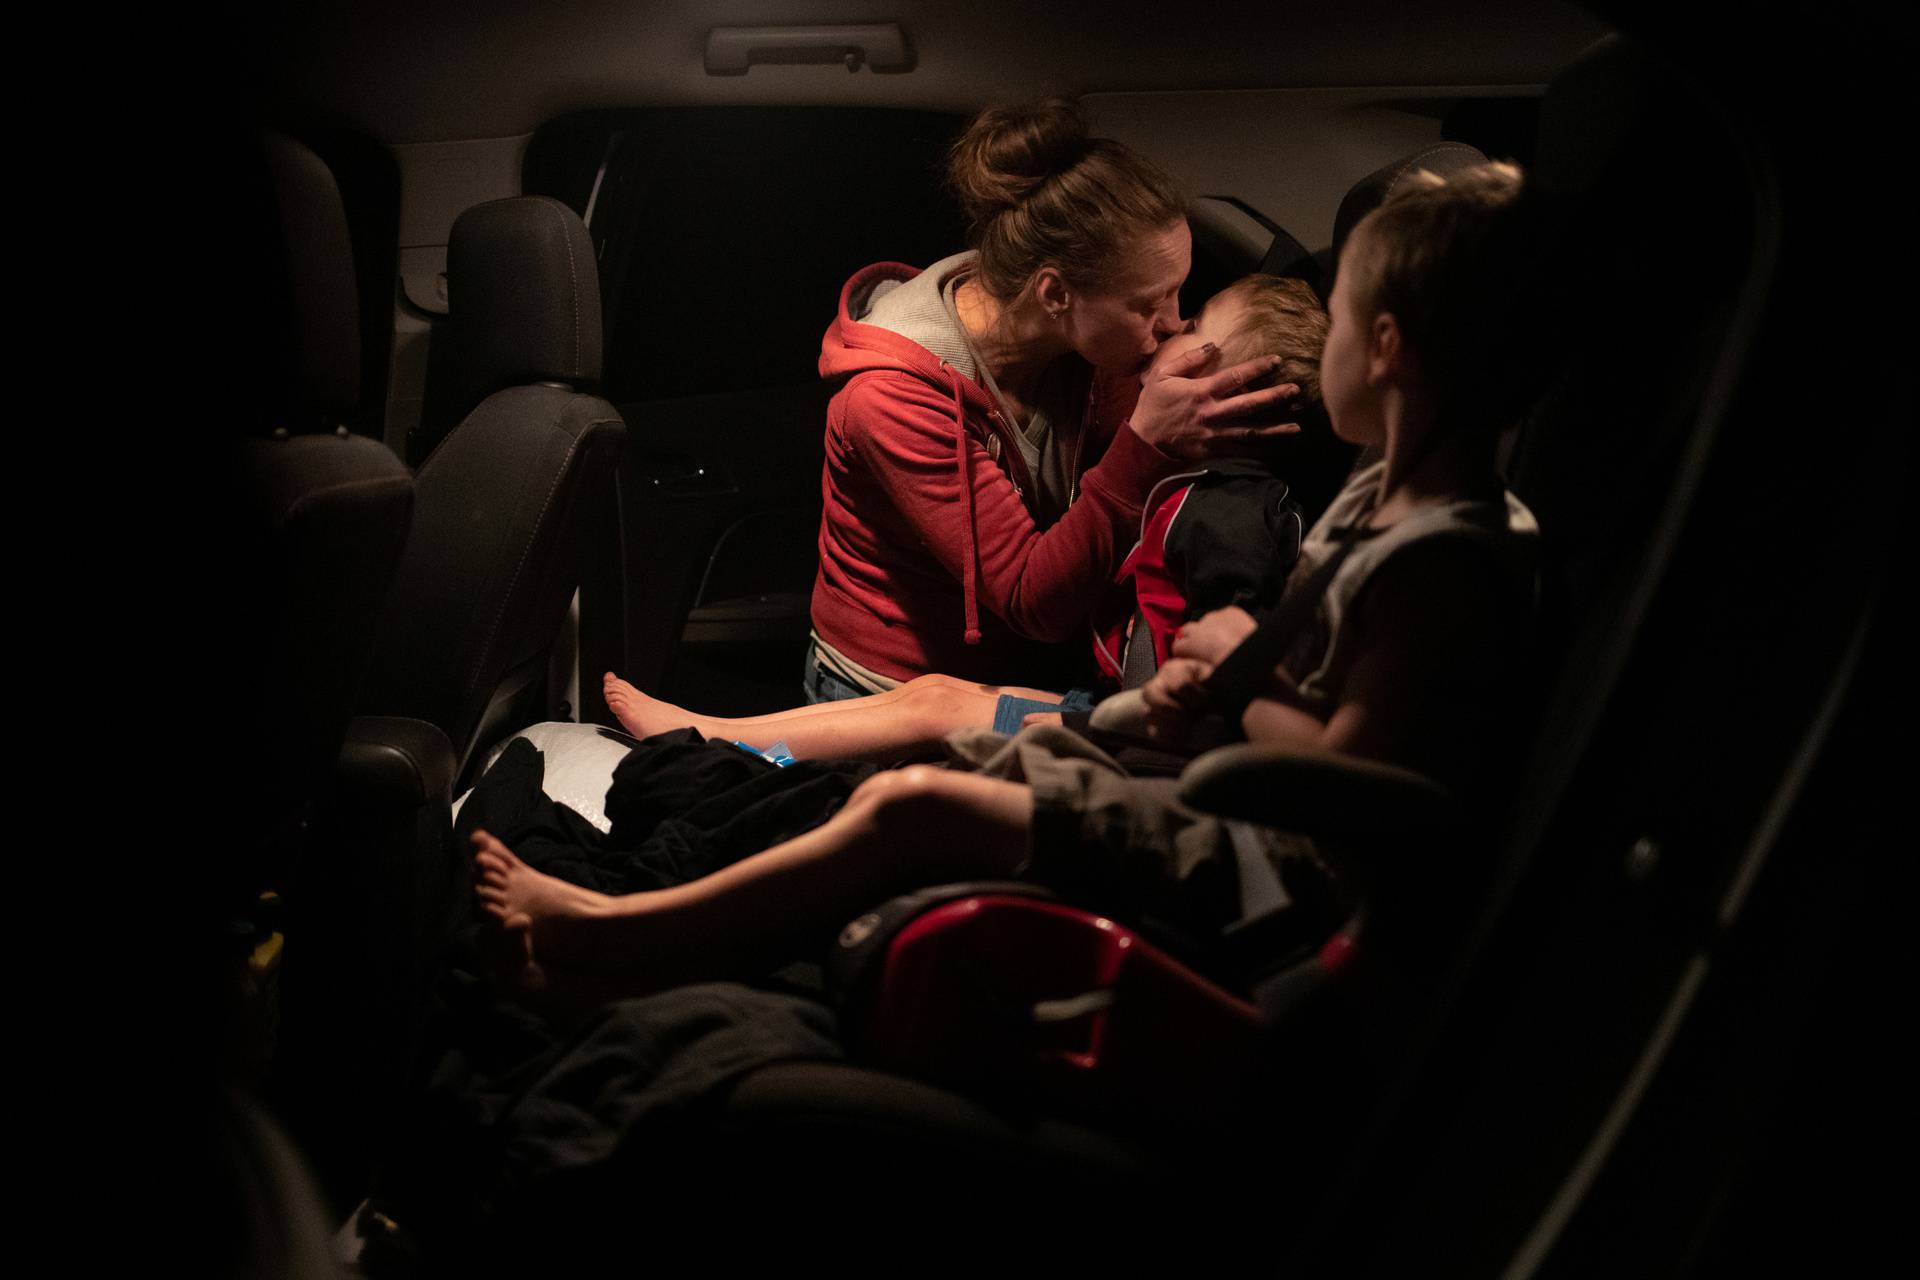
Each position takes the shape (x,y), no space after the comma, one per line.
(1282,318)
(1453,261)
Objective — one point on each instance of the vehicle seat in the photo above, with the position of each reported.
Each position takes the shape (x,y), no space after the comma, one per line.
(1317,268)
(327,515)
(332,508)
(503,501)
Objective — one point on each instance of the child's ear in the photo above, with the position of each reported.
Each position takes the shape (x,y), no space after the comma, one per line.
(1386,352)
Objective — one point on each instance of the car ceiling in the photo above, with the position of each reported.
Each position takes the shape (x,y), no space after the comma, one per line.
(440,70)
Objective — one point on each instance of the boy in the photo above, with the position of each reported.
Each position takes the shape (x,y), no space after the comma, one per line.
(1401,657)
(1226,534)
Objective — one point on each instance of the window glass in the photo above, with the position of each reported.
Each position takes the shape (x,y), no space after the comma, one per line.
(726,233)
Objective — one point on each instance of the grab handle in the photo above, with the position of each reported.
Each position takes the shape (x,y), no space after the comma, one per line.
(881,46)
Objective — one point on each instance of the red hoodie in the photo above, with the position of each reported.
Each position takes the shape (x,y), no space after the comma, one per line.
(931,555)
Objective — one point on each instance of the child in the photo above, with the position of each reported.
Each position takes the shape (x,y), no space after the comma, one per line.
(1225,534)
(1401,659)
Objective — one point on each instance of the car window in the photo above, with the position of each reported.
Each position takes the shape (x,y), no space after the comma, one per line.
(725,233)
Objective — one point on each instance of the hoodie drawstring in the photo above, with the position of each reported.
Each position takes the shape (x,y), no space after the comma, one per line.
(971,554)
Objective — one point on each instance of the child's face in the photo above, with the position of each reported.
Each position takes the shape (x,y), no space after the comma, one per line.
(1344,382)
(1216,320)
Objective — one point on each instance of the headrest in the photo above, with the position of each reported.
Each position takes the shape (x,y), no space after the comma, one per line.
(1598,113)
(319,311)
(523,296)
(1442,159)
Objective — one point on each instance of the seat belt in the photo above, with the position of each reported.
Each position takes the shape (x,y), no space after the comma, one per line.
(1241,675)
(1142,658)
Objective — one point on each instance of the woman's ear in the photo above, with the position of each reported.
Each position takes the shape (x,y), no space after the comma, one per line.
(1051,291)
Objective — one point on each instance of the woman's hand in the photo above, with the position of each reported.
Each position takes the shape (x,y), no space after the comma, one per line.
(1188,413)
(1174,696)
(1214,635)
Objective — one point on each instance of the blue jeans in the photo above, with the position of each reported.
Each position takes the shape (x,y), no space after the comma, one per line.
(822,685)
(1010,711)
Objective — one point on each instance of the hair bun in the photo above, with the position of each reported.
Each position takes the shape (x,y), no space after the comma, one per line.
(1008,152)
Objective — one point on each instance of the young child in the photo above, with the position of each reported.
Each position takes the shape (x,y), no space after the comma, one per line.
(1223,534)
(1402,659)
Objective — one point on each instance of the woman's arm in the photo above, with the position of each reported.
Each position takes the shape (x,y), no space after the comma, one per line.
(1042,583)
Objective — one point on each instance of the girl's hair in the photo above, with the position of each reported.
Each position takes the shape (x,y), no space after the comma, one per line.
(1283,318)
(1037,190)
(1459,263)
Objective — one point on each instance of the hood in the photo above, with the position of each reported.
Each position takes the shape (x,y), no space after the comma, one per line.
(895,294)
(893,318)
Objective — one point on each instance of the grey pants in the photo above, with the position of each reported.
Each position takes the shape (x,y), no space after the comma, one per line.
(1129,847)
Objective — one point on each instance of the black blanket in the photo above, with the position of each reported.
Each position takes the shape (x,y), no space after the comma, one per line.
(513,1109)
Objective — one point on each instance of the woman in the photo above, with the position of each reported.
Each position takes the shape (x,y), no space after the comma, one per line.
(986,457)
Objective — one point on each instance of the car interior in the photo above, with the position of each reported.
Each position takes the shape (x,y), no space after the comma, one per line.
(528,392)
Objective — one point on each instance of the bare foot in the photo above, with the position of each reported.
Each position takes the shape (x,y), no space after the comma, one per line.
(533,919)
(640,715)
(557,945)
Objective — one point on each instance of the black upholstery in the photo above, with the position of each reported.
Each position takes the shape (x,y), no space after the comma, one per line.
(317,301)
(329,513)
(374,910)
(326,516)
(496,547)
(523,297)
(1287,258)
(331,516)
(1324,791)
(1444,159)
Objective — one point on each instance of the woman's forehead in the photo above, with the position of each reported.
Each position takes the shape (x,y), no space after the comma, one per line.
(1157,261)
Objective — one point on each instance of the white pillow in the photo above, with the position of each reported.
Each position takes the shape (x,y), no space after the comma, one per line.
(580,762)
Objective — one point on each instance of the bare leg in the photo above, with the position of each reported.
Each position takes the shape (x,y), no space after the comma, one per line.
(901,830)
(881,726)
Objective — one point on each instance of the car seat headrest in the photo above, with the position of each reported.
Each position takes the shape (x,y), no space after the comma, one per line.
(313,307)
(523,296)
(1596,116)
(1442,159)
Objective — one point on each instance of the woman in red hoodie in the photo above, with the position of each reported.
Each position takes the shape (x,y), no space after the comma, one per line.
(990,445)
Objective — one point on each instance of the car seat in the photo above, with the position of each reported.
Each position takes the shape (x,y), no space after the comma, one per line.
(505,501)
(327,517)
